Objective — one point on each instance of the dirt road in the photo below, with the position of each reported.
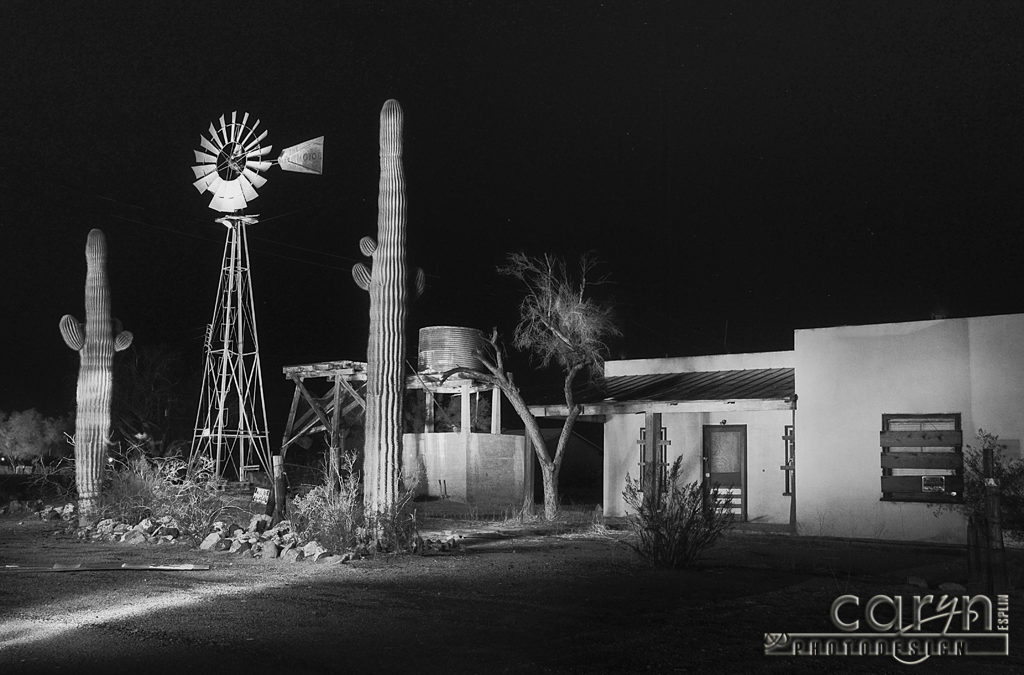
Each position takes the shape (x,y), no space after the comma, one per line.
(503,604)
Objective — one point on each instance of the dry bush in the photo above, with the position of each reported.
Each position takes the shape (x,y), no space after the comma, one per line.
(187,492)
(332,513)
(674,530)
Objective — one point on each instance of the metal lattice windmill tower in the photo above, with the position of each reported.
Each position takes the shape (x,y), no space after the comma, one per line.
(231,423)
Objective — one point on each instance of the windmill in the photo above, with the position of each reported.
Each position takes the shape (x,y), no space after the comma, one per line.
(231,422)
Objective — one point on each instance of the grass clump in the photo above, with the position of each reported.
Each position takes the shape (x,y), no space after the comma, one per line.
(675,529)
(333,514)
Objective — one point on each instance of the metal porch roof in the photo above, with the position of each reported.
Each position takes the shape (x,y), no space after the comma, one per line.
(770,384)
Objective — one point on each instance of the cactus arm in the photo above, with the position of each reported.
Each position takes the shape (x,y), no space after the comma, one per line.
(419,282)
(71,331)
(123,341)
(367,245)
(361,274)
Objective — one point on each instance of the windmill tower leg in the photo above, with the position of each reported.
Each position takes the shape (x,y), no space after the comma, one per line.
(231,422)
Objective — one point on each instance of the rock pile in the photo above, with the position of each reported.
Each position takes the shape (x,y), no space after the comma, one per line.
(163,530)
(261,540)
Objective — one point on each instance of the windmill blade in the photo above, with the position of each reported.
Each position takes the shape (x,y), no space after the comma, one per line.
(208,182)
(224,130)
(217,143)
(201,170)
(228,197)
(247,190)
(254,142)
(258,166)
(248,135)
(208,145)
(234,129)
(260,152)
(254,178)
(305,157)
(203,157)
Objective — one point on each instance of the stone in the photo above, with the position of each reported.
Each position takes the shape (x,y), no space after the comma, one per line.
(220,526)
(167,531)
(134,537)
(323,556)
(232,529)
(223,545)
(240,546)
(327,559)
(259,523)
(292,555)
(211,541)
(313,549)
(269,550)
(146,525)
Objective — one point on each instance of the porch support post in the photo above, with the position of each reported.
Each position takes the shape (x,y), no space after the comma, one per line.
(428,417)
(652,466)
(495,411)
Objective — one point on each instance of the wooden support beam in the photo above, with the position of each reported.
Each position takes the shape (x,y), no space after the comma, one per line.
(351,391)
(286,440)
(313,404)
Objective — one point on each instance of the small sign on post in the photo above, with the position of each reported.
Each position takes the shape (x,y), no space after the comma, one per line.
(261,496)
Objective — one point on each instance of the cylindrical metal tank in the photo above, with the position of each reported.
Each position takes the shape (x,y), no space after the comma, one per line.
(444,347)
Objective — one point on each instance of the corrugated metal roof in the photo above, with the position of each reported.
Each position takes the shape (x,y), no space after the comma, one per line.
(761,383)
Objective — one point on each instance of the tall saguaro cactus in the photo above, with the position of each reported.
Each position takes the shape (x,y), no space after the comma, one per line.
(386,280)
(96,342)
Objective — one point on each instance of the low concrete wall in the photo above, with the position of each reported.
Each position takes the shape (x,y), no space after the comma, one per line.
(484,470)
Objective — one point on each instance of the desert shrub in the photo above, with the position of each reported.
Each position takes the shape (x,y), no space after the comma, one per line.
(333,510)
(1009,474)
(188,492)
(674,530)
(332,513)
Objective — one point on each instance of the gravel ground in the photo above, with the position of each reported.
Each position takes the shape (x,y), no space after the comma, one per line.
(510,600)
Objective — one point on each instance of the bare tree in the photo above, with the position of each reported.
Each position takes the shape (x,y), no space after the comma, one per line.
(558,324)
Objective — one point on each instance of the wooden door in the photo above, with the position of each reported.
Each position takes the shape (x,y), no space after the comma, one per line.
(725,464)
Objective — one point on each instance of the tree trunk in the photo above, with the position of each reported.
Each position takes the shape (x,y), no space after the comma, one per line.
(549,474)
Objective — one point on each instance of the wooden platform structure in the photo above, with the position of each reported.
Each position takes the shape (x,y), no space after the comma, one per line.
(345,383)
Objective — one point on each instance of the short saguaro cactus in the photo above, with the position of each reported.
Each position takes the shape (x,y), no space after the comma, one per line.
(95,341)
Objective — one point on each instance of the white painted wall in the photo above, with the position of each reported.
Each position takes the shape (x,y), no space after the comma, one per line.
(847,377)
(765,453)
(695,364)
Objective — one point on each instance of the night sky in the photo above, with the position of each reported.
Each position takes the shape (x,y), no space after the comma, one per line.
(742,169)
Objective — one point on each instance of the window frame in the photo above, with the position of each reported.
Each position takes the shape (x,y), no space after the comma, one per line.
(952,491)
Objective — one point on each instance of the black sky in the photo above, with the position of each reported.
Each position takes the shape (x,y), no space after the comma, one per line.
(743,169)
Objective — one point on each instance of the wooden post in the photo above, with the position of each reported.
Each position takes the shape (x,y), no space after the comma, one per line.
(280,494)
(335,458)
(290,423)
(995,553)
(652,467)
(466,424)
(496,410)
(428,418)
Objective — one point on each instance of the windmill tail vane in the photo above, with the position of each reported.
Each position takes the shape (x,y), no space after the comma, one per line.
(232,157)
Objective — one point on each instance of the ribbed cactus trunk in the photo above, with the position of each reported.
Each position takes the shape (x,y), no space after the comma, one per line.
(96,343)
(387,283)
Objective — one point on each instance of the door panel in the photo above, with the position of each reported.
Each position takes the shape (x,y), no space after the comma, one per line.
(725,464)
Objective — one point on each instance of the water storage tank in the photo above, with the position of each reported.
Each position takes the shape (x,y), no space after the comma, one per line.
(446,347)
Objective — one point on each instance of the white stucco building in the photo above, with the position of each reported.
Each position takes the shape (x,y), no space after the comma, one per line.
(856,432)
